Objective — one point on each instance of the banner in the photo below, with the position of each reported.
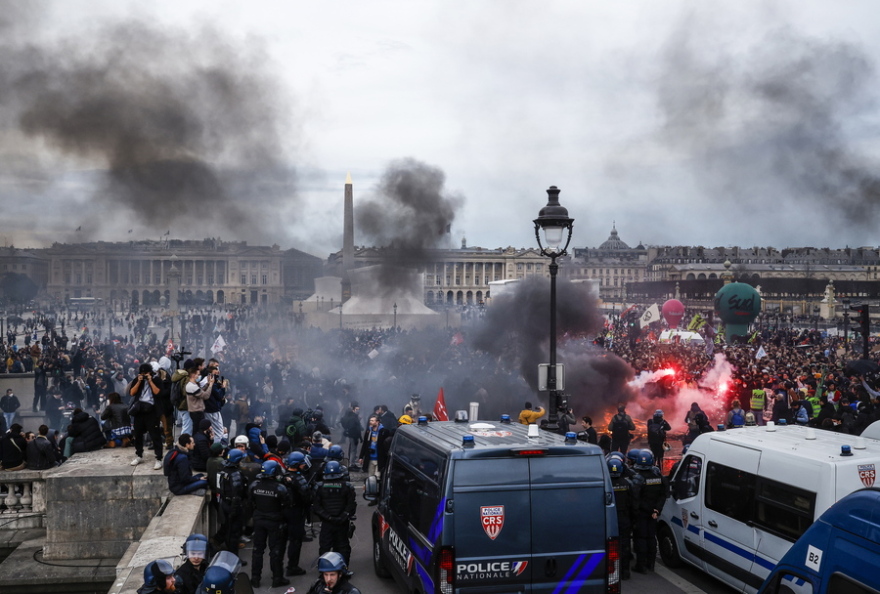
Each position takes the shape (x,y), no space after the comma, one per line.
(652,314)
(761,353)
(440,408)
(696,323)
(218,345)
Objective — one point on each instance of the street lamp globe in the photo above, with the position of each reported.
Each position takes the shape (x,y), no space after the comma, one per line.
(553,219)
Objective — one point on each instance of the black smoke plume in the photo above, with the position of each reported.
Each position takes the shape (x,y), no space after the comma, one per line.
(186,128)
(517,332)
(774,123)
(409,213)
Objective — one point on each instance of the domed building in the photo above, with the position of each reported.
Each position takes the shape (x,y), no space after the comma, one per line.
(612,265)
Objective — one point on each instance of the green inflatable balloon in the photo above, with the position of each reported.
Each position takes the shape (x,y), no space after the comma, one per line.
(737,304)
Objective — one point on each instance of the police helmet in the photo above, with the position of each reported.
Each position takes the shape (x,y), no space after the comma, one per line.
(196,545)
(333,470)
(617,455)
(297,458)
(220,576)
(632,456)
(217,580)
(155,573)
(235,456)
(335,453)
(331,562)
(271,468)
(615,467)
(658,413)
(241,440)
(645,460)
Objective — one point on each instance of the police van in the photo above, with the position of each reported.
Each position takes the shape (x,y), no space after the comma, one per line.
(839,553)
(740,498)
(486,508)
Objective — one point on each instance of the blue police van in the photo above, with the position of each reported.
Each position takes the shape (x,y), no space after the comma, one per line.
(838,554)
(482,507)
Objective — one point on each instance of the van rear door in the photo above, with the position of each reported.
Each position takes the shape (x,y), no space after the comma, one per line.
(568,521)
(492,527)
(530,524)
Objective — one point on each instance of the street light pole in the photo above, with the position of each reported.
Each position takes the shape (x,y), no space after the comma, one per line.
(555,222)
(395,317)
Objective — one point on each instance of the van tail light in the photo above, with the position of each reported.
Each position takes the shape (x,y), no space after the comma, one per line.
(612,565)
(446,576)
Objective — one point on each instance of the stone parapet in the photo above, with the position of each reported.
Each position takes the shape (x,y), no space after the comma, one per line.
(98,504)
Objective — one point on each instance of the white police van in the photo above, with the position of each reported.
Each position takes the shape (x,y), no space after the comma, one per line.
(740,498)
(482,508)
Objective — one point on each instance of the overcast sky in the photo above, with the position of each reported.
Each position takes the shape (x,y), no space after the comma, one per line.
(696,123)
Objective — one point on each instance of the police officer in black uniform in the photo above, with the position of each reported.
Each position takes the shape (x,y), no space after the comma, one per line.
(335,504)
(653,496)
(232,488)
(626,500)
(295,514)
(268,498)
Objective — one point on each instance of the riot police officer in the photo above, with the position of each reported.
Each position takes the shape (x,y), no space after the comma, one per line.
(626,500)
(653,496)
(192,570)
(296,481)
(268,498)
(335,504)
(335,452)
(334,576)
(159,577)
(232,488)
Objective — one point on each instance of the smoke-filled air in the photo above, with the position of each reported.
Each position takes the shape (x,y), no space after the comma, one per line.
(173,130)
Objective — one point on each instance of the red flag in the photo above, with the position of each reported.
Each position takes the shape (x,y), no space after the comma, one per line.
(440,407)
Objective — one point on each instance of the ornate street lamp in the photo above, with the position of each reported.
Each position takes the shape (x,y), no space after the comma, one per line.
(553,219)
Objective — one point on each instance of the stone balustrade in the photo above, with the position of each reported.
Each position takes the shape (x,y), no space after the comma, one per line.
(22,499)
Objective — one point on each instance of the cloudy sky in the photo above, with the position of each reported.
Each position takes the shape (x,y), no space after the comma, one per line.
(711,123)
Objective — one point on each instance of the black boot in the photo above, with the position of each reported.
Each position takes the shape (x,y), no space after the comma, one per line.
(280,581)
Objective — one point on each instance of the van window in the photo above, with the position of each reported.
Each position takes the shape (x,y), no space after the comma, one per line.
(787,582)
(428,462)
(783,509)
(687,480)
(840,584)
(730,491)
(414,498)
(491,472)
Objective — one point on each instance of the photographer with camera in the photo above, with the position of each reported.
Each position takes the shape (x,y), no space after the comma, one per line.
(214,404)
(145,415)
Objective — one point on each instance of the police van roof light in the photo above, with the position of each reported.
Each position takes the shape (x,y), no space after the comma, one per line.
(467,441)
(529,452)
(423,420)
(505,419)
(771,426)
(571,437)
(845,450)
(461,416)
(721,427)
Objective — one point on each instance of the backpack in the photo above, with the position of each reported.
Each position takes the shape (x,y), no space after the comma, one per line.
(295,430)
(656,434)
(750,418)
(178,394)
(737,420)
(619,427)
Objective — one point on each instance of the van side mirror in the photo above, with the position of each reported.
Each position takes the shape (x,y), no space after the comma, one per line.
(371,488)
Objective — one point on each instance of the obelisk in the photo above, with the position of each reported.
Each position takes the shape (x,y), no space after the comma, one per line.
(347,238)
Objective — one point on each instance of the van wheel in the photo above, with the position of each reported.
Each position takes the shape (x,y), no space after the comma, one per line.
(379,565)
(668,547)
